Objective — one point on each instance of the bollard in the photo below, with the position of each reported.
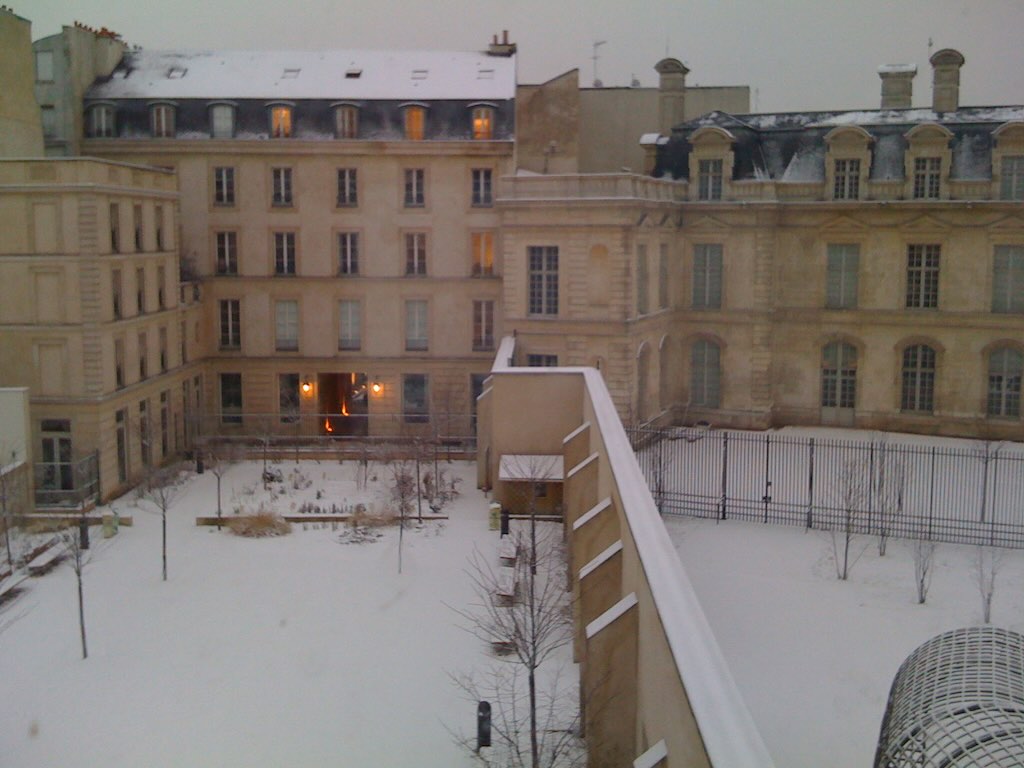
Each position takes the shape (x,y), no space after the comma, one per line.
(483,725)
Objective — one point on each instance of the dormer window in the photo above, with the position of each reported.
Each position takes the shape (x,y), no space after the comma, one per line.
(101,121)
(846,162)
(415,122)
(846,184)
(161,121)
(483,123)
(709,180)
(281,121)
(927,162)
(346,117)
(927,178)
(222,121)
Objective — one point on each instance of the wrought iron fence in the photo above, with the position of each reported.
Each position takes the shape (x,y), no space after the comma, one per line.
(67,483)
(972,495)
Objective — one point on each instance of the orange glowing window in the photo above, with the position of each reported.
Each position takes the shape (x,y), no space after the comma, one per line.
(281,122)
(483,123)
(415,120)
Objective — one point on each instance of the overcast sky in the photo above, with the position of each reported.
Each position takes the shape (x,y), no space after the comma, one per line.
(794,54)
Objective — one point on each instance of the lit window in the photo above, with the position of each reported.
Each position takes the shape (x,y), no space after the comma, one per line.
(231,398)
(483,325)
(415,194)
(280,122)
(1005,368)
(923,276)
(847,180)
(1011,185)
(705,374)
(101,121)
(224,186)
(348,253)
(162,121)
(482,187)
(284,253)
(415,120)
(416,325)
(927,177)
(415,253)
(1008,279)
(347,187)
(222,121)
(838,375)
(918,390)
(227,253)
(230,324)
(707,276)
(346,121)
(415,404)
(482,244)
(287,325)
(841,276)
(542,279)
(349,333)
(709,185)
(281,179)
(483,123)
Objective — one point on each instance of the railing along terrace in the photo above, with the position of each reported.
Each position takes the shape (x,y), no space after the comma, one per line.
(590,186)
(67,483)
(967,495)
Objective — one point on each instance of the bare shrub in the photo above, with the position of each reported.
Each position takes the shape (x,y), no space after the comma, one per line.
(259,526)
(989,561)
(924,556)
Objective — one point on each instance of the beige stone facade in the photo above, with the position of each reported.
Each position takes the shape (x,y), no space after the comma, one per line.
(21,133)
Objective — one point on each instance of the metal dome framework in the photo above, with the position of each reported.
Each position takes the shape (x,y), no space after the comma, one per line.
(958,700)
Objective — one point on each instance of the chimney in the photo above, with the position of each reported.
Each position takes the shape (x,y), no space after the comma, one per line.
(897,85)
(504,48)
(946,80)
(671,94)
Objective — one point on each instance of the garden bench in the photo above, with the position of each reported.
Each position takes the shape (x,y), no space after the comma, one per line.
(507,553)
(9,584)
(506,589)
(44,561)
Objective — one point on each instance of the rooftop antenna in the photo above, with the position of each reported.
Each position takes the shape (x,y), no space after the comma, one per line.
(595,57)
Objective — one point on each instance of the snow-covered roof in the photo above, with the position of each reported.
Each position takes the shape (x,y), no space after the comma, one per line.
(355,74)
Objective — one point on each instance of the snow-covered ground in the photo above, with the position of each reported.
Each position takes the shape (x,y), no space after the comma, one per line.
(812,656)
(291,651)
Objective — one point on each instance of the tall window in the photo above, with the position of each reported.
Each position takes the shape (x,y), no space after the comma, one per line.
(230,324)
(140,290)
(121,428)
(165,422)
(709,182)
(282,182)
(280,122)
(482,187)
(161,287)
(927,177)
(542,279)
(183,341)
(115,291)
(847,180)
(346,121)
(231,398)
(705,374)
(49,119)
(146,448)
(483,325)
(286,325)
(284,253)
(1005,368)
(348,253)
(137,224)
(1011,185)
(119,363)
(347,189)
(222,121)
(415,253)
(642,279)
(115,228)
(838,375)
(161,118)
(415,404)
(663,276)
(918,391)
(101,121)
(227,253)
(483,123)
(415,193)
(416,325)
(1008,279)
(143,356)
(707,276)
(224,185)
(841,276)
(162,341)
(415,122)
(482,244)
(923,276)
(349,331)
(159,221)
(288,397)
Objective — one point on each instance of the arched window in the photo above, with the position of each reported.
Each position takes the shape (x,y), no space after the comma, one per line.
(1005,366)
(483,123)
(838,375)
(346,121)
(415,122)
(918,391)
(705,374)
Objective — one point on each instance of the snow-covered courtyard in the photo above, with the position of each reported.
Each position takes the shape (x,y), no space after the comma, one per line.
(291,651)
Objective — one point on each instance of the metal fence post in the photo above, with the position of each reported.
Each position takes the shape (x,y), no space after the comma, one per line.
(810,484)
(767,482)
(931,492)
(725,472)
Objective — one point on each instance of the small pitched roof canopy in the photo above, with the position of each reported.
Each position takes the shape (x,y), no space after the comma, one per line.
(531,467)
(310,75)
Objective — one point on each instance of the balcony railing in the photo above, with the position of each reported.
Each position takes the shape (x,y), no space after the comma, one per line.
(590,186)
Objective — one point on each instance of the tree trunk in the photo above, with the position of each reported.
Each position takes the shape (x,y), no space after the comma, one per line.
(81,609)
(163,524)
(218,502)
(534,746)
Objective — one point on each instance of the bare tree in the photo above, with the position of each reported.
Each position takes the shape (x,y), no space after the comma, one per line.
(988,563)
(854,490)
(73,539)
(402,492)
(161,488)
(924,556)
(219,459)
(889,478)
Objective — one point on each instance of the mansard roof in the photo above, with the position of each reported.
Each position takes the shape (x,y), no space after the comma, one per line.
(339,75)
(791,146)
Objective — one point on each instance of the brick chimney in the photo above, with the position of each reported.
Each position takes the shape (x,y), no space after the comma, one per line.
(897,85)
(503,48)
(946,80)
(671,94)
